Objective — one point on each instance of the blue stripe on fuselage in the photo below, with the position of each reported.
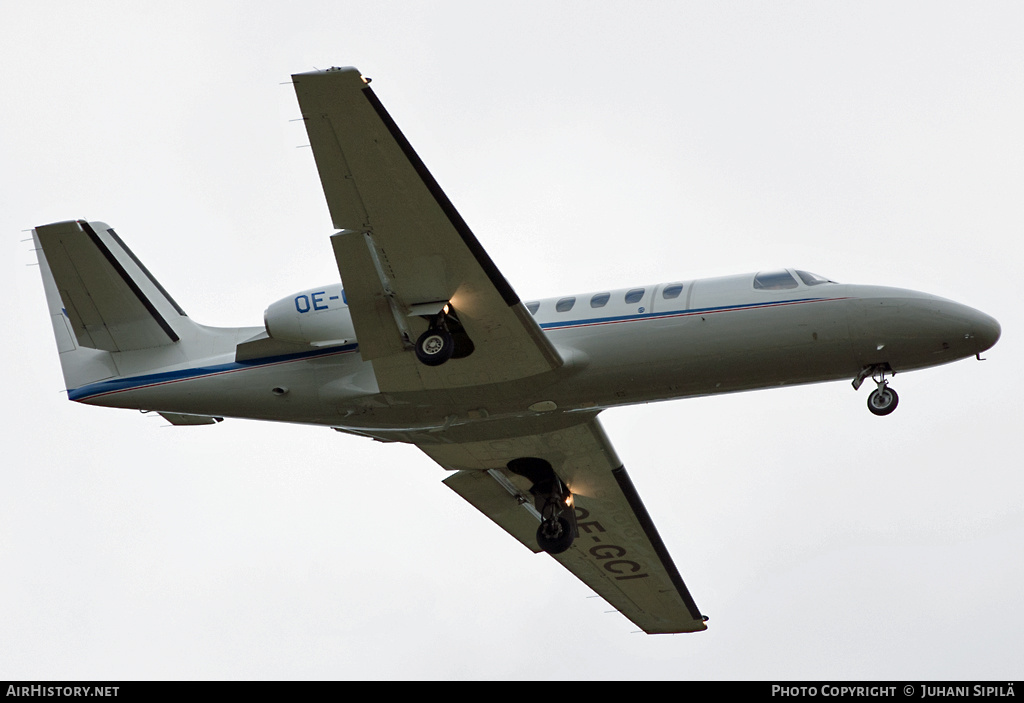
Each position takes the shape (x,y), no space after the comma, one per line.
(117,385)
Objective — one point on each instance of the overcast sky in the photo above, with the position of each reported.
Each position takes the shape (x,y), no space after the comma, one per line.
(590,146)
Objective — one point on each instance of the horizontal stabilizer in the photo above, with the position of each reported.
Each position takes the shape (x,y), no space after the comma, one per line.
(263,345)
(110,299)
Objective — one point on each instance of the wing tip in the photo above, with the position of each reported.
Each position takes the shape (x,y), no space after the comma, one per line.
(696,626)
(333,69)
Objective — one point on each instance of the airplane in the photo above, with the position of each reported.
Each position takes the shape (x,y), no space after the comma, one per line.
(424,341)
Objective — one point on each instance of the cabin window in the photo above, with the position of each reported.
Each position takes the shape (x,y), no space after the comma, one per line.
(774,280)
(565,304)
(600,300)
(672,291)
(634,295)
(533,307)
(812,279)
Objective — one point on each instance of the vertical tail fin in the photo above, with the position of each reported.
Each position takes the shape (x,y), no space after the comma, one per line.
(110,299)
(102,299)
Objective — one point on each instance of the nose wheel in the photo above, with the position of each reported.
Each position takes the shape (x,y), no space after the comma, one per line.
(883,400)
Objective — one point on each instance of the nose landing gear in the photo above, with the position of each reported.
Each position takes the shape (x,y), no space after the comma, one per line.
(883,400)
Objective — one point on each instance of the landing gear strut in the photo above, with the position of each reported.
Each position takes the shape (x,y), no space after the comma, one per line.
(553,500)
(883,400)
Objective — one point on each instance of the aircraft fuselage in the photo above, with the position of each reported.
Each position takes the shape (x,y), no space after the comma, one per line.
(717,335)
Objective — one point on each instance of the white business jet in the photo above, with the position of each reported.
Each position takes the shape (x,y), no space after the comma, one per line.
(427,343)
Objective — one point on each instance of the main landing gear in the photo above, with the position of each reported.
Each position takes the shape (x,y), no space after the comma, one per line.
(435,346)
(883,400)
(556,533)
(553,500)
(444,339)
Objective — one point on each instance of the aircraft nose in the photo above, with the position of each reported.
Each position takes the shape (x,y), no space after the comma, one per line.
(908,329)
(979,331)
(986,330)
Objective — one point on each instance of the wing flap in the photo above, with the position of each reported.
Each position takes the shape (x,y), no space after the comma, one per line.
(495,496)
(618,551)
(372,312)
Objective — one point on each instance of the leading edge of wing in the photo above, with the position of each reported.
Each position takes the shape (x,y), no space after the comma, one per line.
(640,511)
(350,78)
(618,552)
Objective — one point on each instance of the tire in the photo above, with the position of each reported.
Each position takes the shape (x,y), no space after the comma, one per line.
(883,402)
(558,543)
(434,347)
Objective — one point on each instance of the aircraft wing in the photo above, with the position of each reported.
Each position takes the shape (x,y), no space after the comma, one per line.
(403,250)
(618,551)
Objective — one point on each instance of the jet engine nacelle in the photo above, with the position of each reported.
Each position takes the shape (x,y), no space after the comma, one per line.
(317,316)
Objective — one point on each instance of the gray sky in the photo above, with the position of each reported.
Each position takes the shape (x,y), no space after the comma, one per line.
(589,146)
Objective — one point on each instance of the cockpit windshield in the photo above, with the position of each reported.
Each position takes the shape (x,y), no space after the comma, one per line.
(774,280)
(812,279)
(783,280)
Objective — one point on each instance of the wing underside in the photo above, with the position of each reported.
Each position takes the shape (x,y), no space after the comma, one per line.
(618,551)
